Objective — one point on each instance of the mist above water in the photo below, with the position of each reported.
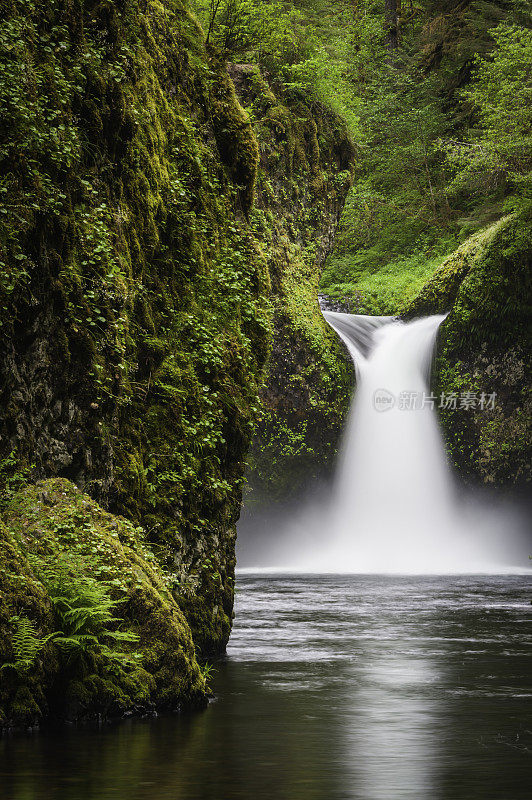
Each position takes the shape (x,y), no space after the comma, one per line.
(394,506)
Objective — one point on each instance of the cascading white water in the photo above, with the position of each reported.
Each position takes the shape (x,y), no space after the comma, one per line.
(394,504)
(393,495)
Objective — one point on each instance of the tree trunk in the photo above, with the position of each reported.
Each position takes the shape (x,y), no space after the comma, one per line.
(391,13)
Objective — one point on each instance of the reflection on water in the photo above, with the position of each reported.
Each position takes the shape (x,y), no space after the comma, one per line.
(396,727)
(334,688)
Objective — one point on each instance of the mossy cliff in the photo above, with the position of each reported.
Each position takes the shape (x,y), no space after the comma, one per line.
(484,348)
(145,217)
(304,174)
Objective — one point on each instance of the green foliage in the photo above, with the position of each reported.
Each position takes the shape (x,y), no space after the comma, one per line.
(502,91)
(26,644)
(84,612)
(243,27)
(207,673)
(486,279)
(13,476)
(444,138)
(128,172)
(96,594)
(500,148)
(131,258)
(387,290)
(442,128)
(288,40)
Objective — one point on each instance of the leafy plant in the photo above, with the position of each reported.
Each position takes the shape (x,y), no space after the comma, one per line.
(207,672)
(13,476)
(85,615)
(26,644)
(243,26)
(501,93)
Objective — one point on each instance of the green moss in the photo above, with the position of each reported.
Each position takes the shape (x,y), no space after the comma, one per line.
(304,175)
(47,528)
(440,292)
(484,344)
(234,134)
(140,299)
(22,699)
(141,245)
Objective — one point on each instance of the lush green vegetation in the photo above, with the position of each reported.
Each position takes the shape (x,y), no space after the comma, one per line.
(146,212)
(485,345)
(88,619)
(444,142)
(437,96)
(129,271)
(171,178)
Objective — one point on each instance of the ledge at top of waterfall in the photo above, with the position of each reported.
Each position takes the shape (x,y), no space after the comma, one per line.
(356,330)
(374,340)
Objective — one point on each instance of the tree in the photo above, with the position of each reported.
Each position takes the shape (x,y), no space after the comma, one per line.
(243,27)
(391,14)
(500,147)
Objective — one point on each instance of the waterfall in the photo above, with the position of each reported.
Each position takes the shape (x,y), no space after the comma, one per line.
(394,505)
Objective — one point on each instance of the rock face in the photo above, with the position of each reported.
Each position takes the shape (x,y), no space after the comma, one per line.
(484,348)
(145,221)
(305,171)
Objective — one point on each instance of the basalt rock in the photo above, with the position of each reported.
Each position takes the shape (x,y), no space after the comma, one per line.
(304,173)
(145,220)
(484,351)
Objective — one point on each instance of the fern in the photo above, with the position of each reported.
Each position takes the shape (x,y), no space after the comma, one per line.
(85,613)
(26,644)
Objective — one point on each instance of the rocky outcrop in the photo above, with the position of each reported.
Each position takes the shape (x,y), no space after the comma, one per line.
(484,350)
(146,217)
(89,625)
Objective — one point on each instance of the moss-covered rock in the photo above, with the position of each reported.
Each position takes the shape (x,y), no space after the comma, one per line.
(145,218)
(305,171)
(22,699)
(135,320)
(484,349)
(438,295)
(55,542)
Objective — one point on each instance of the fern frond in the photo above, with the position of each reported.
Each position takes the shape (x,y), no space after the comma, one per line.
(26,644)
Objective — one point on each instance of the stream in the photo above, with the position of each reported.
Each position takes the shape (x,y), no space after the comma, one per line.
(334,688)
(374,685)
